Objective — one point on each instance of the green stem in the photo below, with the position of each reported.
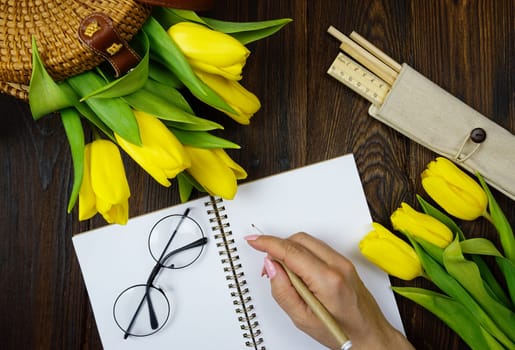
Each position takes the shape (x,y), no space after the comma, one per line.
(488,217)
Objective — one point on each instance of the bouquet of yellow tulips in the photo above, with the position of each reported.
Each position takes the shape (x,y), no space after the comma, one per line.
(473,302)
(146,114)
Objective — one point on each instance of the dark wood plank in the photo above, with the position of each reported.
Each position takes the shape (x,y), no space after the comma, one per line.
(306,116)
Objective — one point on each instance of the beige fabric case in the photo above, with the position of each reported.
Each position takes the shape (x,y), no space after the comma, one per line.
(429,115)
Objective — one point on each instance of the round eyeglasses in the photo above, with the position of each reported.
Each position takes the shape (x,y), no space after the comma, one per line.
(175,242)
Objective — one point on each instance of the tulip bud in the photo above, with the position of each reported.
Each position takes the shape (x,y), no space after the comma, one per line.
(390,253)
(161,154)
(215,171)
(104,187)
(456,192)
(244,102)
(209,50)
(406,219)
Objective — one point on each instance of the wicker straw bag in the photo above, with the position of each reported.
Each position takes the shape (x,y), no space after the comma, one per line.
(54,24)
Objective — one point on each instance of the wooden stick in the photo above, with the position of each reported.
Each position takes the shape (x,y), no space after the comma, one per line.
(364,57)
(336,33)
(318,309)
(375,51)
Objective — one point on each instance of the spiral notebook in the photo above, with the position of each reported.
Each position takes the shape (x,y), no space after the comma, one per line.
(221,301)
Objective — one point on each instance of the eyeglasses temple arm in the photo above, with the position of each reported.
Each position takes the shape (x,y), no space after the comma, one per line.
(198,242)
(152,313)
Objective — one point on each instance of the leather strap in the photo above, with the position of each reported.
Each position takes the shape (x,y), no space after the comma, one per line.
(198,5)
(98,33)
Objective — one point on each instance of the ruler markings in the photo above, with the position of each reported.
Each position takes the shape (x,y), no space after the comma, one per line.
(359,79)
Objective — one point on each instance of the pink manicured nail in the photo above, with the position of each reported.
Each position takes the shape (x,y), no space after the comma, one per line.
(269,268)
(251,237)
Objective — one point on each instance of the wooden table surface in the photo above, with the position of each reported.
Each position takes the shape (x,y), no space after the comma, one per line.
(467,47)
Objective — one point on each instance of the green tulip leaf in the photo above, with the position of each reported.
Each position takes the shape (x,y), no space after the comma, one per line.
(248,32)
(167,17)
(454,289)
(130,82)
(245,32)
(114,112)
(453,314)
(468,275)
(440,216)
(157,72)
(45,95)
(145,101)
(500,222)
(189,126)
(185,187)
(480,246)
(75,134)
(169,94)
(202,139)
(492,286)
(433,250)
(187,177)
(508,270)
(167,52)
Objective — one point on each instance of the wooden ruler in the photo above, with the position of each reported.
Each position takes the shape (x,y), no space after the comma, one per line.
(359,79)
(370,72)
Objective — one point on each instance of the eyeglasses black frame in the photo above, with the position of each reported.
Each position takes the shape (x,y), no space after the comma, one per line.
(160,264)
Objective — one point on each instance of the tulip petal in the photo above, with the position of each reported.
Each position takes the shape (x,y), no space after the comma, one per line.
(200,43)
(240,99)
(108,178)
(451,200)
(407,219)
(233,72)
(161,155)
(390,253)
(239,172)
(440,216)
(171,56)
(211,172)
(454,190)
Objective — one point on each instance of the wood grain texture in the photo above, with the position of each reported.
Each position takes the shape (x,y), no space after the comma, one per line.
(467,47)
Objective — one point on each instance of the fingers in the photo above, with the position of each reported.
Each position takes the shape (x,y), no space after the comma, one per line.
(297,257)
(319,248)
(305,255)
(305,264)
(282,289)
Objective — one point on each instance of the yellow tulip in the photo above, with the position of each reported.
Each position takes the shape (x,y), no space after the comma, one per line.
(244,102)
(390,253)
(215,171)
(104,187)
(161,154)
(210,50)
(407,219)
(456,192)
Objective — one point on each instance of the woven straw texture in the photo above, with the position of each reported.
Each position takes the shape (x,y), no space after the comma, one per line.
(54,24)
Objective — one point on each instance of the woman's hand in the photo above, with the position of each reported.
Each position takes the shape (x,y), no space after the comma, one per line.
(332,278)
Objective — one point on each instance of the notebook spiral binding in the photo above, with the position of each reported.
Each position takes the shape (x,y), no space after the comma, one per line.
(236,278)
